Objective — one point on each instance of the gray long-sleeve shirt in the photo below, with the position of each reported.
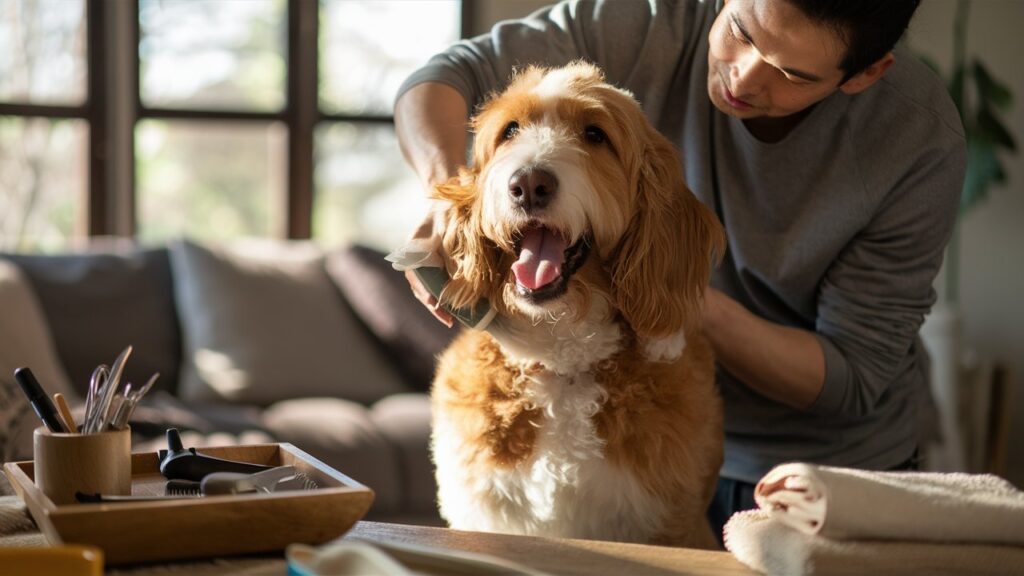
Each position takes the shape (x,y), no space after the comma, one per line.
(837,229)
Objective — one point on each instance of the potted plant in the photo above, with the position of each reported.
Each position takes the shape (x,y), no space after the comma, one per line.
(980,98)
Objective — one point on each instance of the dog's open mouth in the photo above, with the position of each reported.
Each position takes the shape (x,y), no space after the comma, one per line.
(546,263)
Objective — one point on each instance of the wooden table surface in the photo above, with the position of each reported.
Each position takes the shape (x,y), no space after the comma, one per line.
(559,556)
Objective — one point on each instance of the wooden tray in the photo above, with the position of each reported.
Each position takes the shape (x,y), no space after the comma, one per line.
(131,532)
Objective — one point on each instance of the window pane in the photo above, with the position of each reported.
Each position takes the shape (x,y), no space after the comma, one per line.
(42,51)
(369,47)
(44,175)
(210,181)
(213,54)
(364,190)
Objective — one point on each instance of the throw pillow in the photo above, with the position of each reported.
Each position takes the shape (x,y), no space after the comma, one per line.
(99,300)
(381,297)
(262,323)
(24,341)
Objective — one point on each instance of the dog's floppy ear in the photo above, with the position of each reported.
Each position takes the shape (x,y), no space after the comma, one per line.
(470,258)
(663,263)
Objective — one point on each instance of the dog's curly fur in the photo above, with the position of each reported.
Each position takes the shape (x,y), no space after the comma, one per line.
(590,412)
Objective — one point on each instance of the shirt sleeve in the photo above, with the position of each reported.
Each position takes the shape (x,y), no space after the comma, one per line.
(619,36)
(873,299)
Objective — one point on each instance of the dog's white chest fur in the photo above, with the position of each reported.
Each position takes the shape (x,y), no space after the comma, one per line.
(566,488)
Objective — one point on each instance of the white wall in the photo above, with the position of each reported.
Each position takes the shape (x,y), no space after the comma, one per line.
(992,286)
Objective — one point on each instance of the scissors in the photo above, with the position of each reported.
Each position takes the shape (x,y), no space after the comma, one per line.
(129,401)
(102,388)
(96,382)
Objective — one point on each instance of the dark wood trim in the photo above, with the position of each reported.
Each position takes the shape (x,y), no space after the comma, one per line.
(136,99)
(351,118)
(45,111)
(466,18)
(100,203)
(197,114)
(137,80)
(302,113)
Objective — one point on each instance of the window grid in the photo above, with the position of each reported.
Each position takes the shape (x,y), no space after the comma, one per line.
(301,115)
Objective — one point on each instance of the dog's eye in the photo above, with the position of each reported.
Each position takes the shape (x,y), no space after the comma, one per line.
(595,135)
(510,131)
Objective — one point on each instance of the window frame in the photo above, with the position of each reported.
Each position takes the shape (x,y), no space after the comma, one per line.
(113,188)
(92,111)
(300,115)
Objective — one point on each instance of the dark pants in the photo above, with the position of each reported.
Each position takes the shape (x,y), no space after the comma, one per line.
(732,496)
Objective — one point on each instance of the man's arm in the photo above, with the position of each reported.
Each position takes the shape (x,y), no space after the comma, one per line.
(430,121)
(780,362)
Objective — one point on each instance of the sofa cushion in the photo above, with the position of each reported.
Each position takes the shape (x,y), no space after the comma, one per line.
(24,341)
(100,301)
(404,419)
(381,297)
(341,434)
(262,323)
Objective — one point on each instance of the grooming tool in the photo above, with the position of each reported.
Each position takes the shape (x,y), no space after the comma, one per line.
(478,317)
(65,412)
(183,487)
(132,398)
(84,498)
(96,381)
(301,481)
(119,406)
(109,390)
(101,394)
(39,400)
(220,483)
(179,463)
(234,483)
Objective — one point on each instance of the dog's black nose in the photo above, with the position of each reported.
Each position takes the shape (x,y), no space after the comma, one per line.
(532,188)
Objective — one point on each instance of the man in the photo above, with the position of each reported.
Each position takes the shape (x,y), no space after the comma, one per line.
(835,162)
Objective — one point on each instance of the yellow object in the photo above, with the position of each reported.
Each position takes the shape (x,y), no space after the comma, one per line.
(52,561)
(65,412)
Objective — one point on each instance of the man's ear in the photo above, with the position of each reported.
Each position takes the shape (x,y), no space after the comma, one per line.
(868,76)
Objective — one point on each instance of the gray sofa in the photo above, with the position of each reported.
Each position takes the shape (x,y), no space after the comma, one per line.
(254,342)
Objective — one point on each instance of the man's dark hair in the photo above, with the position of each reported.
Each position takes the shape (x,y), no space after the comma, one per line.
(870,28)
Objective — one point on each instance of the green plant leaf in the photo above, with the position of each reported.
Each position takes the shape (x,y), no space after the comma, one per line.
(990,90)
(983,170)
(989,128)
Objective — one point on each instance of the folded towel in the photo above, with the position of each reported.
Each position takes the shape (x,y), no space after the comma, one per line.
(768,545)
(842,503)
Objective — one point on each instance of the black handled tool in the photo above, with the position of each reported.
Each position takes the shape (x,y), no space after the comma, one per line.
(180,463)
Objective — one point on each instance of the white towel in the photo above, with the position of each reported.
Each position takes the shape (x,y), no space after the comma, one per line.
(842,503)
(770,546)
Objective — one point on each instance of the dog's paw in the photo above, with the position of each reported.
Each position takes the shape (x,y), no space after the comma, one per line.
(665,349)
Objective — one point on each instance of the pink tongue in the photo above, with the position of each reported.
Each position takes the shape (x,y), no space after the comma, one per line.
(540,261)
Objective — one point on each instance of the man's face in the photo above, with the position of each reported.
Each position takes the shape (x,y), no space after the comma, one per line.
(766,59)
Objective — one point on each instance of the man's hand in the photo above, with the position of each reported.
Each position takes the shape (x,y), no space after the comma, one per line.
(428,299)
(783,363)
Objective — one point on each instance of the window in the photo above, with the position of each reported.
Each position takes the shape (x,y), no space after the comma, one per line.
(211,144)
(255,118)
(363,189)
(45,123)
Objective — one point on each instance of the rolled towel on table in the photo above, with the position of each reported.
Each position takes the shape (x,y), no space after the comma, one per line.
(767,545)
(843,503)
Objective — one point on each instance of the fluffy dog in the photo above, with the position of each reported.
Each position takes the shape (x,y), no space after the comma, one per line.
(588,408)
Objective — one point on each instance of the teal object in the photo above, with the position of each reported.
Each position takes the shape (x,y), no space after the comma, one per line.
(478,317)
